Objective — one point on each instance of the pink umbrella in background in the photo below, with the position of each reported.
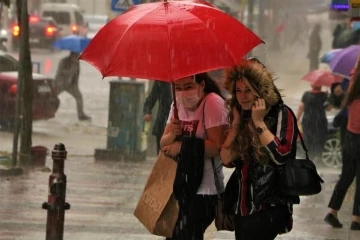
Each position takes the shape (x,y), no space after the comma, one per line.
(321,78)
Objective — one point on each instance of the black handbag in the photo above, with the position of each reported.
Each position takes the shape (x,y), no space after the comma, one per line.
(224,219)
(299,177)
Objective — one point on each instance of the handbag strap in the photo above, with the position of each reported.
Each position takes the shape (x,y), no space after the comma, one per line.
(297,129)
(217,184)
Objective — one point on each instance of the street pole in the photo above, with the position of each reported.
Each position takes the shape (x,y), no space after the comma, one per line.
(18,100)
(25,76)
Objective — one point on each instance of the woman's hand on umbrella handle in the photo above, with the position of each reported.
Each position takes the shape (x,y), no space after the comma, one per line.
(175,127)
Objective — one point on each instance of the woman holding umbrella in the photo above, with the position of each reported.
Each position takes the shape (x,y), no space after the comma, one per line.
(262,135)
(203,115)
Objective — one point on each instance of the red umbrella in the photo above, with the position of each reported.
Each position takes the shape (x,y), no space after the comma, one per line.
(168,40)
(321,78)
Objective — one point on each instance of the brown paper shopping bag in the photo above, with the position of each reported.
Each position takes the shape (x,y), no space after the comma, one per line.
(157,208)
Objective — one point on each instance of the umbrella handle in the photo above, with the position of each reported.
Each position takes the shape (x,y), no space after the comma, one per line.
(176,115)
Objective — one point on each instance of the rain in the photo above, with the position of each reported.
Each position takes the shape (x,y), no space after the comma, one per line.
(79,164)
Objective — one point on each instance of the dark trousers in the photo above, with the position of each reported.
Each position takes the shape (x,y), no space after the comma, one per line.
(315,141)
(314,62)
(342,126)
(74,91)
(350,170)
(263,225)
(194,220)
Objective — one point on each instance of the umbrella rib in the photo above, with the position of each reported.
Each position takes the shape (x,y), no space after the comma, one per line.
(168,35)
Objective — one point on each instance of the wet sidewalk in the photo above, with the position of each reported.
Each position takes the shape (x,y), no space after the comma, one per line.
(103,196)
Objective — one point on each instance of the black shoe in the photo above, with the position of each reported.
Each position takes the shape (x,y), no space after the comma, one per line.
(355,226)
(332,221)
(84,118)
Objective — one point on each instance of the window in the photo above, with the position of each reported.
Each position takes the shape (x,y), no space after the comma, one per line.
(60,17)
(8,63)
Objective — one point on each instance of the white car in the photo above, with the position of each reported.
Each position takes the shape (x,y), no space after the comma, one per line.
(95,23)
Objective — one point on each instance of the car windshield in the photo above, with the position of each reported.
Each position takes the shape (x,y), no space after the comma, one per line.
(96,20)
(59,17)
(8,63)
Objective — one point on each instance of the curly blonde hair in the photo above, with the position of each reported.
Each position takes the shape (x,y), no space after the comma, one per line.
(261,83)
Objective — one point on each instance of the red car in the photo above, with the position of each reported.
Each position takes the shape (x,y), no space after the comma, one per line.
(45,101)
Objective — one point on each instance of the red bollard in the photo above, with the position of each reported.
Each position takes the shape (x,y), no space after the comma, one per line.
(56,204)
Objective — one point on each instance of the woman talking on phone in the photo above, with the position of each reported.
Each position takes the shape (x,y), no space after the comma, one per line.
(262,135)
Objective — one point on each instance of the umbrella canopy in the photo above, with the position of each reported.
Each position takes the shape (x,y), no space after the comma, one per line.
(168,40)
(72,43)
(328,56)
(321,78)
(344,61)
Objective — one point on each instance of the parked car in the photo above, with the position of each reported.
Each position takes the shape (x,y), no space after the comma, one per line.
(43,32)
(95,23)
(45,101)
(8,62)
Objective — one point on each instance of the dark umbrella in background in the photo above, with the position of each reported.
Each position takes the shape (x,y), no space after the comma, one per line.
(169,40)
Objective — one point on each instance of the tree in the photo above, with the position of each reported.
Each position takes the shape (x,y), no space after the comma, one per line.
(24,98)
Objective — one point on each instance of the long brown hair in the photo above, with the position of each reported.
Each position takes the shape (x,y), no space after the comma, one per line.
(210,85)
(261,83)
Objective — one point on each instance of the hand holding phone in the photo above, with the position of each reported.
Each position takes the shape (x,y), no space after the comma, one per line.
(258,110)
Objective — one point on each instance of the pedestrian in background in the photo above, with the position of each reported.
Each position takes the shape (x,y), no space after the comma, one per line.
(350,157)
(67,79)
(339,28)
(314,122)
(261,137)
(336,98)
(315,45)
(160,93)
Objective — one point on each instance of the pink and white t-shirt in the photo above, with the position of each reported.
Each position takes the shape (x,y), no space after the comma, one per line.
(194,124)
